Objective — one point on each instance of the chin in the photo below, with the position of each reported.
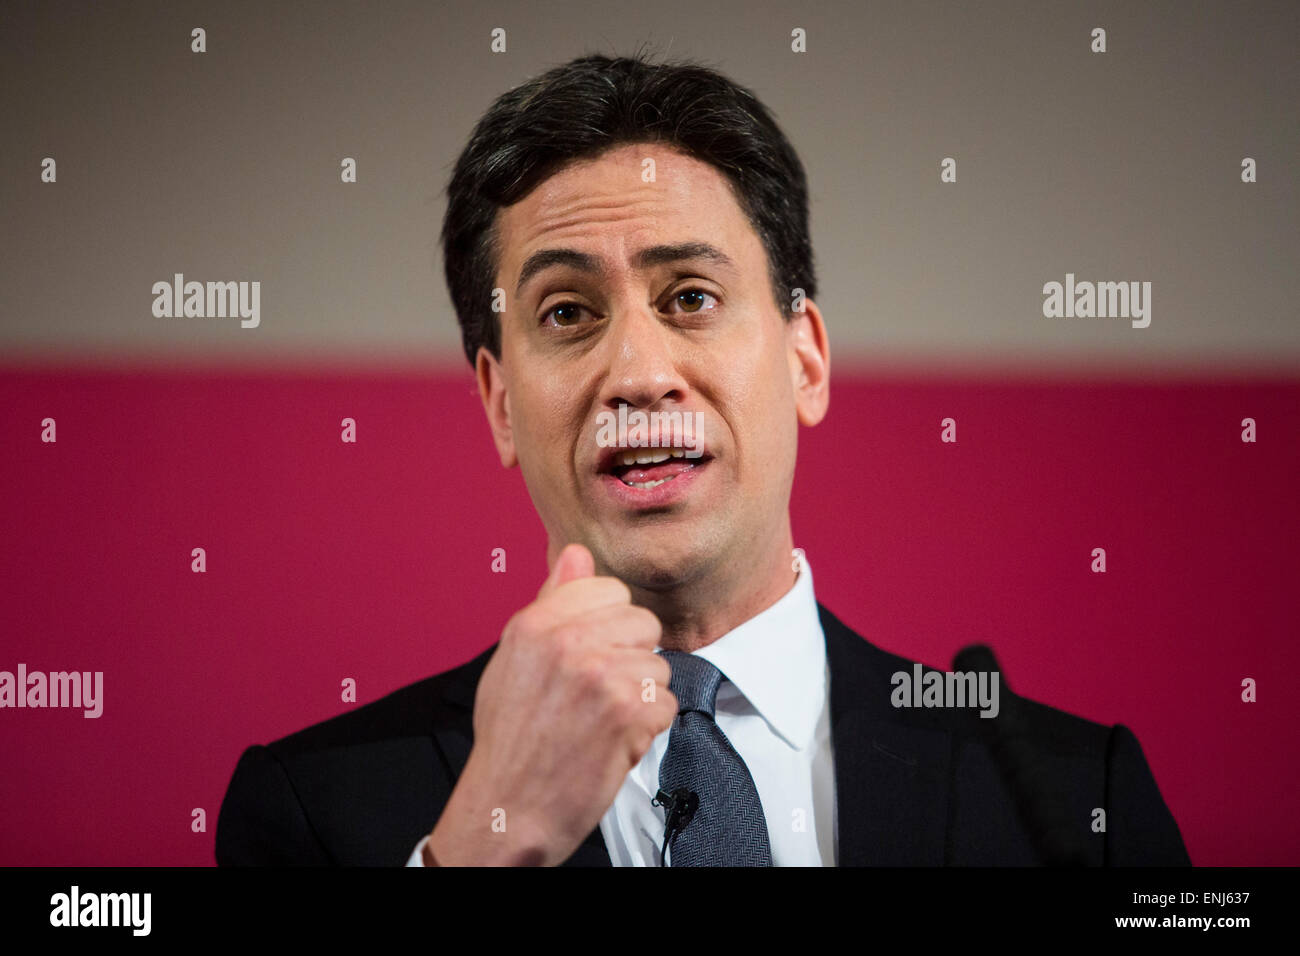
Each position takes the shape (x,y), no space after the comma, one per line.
(659,572)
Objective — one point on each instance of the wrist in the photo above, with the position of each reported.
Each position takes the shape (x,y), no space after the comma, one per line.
(475,831)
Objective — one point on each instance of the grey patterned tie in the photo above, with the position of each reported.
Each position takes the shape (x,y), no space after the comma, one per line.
(728,828)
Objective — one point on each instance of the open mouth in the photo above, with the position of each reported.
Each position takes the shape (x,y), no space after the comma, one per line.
(646,468)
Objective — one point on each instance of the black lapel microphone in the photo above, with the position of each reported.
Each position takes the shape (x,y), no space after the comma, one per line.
(681,805)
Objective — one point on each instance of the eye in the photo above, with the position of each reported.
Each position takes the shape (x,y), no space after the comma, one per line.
(694,300)
(564,315)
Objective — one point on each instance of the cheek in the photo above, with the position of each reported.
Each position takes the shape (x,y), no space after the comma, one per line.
(769,409)
(535,440)
(547,430)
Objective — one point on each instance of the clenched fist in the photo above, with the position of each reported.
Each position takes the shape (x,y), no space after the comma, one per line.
(559,719)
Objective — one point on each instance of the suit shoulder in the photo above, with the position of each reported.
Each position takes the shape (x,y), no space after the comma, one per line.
(1068,764)
(1044,726)
(417,709)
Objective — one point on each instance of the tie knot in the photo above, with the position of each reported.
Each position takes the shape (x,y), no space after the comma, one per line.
(694,682)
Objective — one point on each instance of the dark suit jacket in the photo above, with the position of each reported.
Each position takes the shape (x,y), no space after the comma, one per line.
(914,786)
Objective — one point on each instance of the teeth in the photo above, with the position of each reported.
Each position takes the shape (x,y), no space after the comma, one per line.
(648,456)
(648,484)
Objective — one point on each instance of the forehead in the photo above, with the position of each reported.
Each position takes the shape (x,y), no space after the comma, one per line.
(611,206)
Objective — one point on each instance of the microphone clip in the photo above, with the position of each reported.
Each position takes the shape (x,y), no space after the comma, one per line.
(680,806)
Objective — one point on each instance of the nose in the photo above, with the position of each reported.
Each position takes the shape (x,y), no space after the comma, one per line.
(643,358)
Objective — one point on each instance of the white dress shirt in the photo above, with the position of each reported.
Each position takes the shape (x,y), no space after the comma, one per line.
(774,708)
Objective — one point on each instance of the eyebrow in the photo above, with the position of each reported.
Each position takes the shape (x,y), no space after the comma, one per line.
(646,258)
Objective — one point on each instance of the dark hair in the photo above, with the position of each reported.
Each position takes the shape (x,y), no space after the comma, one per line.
(581,109)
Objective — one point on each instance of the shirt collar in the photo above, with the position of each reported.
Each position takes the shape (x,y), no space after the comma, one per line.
(777,660)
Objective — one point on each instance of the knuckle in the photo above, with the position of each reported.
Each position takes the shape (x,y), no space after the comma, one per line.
(641,742)
(589,673)
(525,622)
(623,705)
(511,629)
(660,671)
(566,638)
(635,705)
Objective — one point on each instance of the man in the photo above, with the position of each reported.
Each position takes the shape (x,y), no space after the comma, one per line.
(625,239)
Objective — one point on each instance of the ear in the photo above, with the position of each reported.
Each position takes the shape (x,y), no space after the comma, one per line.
(810,363)
(496,405)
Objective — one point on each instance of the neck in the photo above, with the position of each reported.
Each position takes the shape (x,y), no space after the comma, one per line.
(697,613)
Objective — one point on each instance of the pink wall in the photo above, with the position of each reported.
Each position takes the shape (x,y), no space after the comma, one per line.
(371,561)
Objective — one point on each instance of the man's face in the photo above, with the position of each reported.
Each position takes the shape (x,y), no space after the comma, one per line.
(654,294)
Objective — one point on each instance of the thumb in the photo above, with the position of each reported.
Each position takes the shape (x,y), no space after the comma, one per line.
(574,562)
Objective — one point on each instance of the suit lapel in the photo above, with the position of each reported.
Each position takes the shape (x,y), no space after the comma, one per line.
(891,772)
(454,728)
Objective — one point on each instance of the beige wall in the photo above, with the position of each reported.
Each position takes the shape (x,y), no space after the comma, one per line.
(225,165)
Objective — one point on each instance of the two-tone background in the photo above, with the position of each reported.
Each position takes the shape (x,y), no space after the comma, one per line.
(371,560)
